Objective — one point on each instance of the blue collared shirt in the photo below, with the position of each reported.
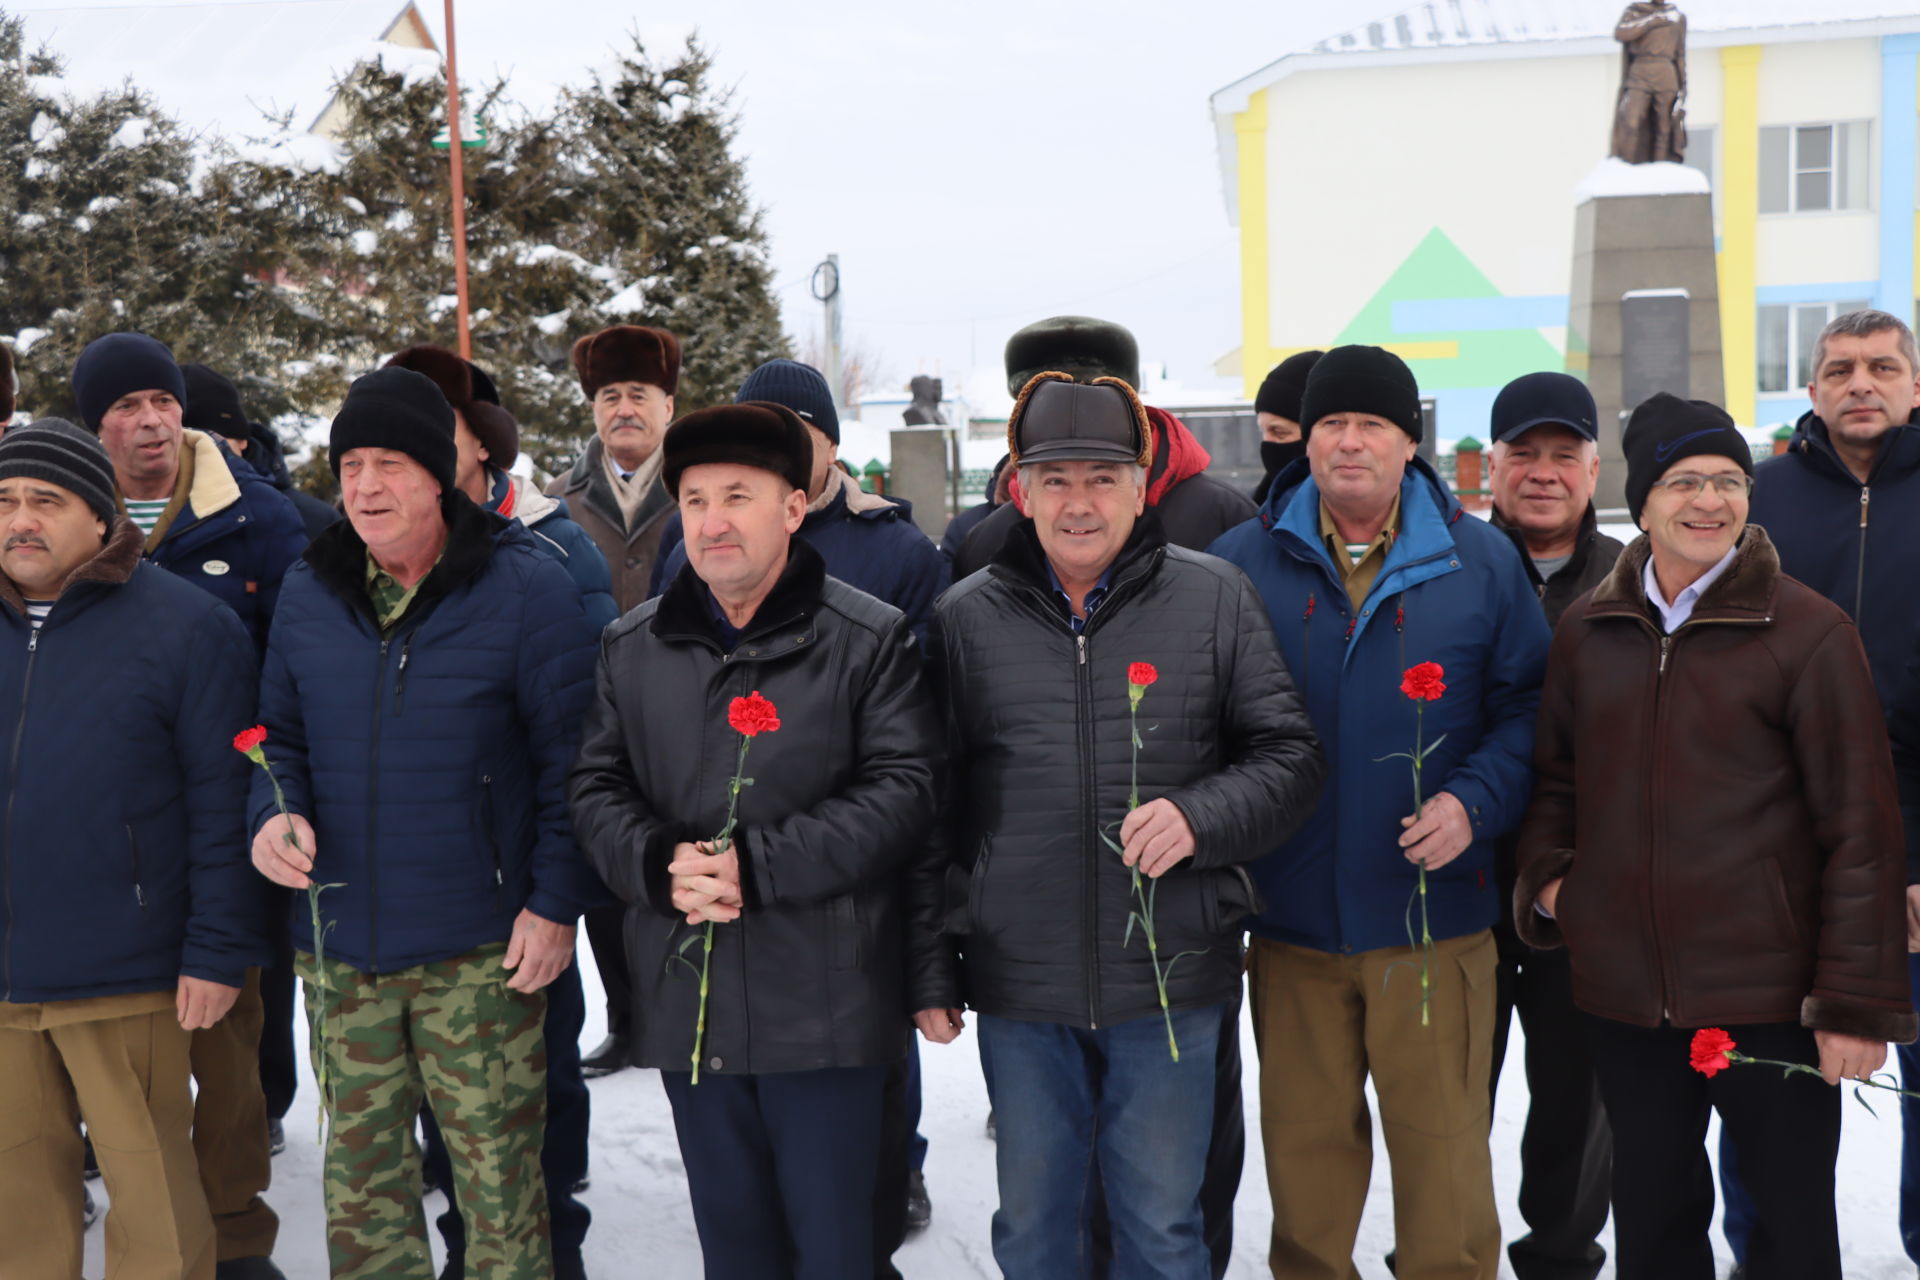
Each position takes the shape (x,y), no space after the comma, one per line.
(1095,597)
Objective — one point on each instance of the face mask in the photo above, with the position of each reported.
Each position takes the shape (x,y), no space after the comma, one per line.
(1275,456)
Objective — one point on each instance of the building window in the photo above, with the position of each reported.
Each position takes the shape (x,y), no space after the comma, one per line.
(1810,168)
(1784,339)
(1702,142)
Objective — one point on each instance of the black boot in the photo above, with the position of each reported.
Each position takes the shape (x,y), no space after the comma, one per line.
(612,1055)
(919,1207)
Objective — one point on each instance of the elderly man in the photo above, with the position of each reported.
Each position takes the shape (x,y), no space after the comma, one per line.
(131,916)
(1038,663)
(216,523)
(1542,467)
(1368,568)
(628,374)
(486,441)
(422,698)
(780,1119)
(1716,838)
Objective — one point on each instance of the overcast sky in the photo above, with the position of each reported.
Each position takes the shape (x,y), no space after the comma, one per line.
(976,166)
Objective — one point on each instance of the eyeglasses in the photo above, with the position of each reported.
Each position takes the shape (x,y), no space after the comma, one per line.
(1689,485)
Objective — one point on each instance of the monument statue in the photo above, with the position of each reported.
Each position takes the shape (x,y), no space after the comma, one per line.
(925,409)
(1649,124)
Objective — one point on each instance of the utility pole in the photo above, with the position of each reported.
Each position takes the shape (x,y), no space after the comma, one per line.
(456,154)
(826,287)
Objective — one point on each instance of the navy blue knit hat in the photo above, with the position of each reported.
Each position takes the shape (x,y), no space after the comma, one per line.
(120,364)
(395,408)
(797,386)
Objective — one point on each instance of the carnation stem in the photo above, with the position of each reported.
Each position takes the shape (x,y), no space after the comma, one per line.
(721,843)
(1139,882)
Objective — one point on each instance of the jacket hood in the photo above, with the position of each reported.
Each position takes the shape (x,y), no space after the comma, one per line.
(267,455)
(111,566)
(1899,459)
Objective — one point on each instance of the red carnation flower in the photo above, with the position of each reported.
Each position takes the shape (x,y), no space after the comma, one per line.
(249,740)
(753,714)
(1709,1052)
(1142,674)
(1422,682)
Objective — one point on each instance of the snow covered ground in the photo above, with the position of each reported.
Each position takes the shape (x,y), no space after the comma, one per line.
(643,1227)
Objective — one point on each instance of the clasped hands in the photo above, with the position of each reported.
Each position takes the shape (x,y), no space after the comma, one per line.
(706,885)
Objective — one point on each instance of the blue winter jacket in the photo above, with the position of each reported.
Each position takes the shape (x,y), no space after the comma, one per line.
(869,542)
(235,537)
(1452,591)
(123,857)
(555,533)
(432,761)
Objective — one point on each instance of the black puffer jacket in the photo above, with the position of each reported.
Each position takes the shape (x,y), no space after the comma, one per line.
(1027,915)
(812,973)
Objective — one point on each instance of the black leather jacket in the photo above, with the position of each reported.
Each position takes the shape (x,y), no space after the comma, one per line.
(1028,916)
(811,975)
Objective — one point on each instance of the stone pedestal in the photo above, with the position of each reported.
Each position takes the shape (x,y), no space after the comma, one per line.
(919,474)
(1651,245)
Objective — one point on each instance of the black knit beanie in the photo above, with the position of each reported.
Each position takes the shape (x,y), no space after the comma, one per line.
(1665,429)
(54,450)
(120,364)
(1357,379)
(213,403)
(1281,392)
(395,408)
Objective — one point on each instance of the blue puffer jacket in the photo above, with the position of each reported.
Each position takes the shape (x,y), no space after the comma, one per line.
(236,536)
(432,762)
(123,861)
(555,533)
(1452,591)
(1852,542)
(869,542)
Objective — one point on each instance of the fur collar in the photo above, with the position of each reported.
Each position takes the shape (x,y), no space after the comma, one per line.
(111,566)
(1743,593)
(339,558)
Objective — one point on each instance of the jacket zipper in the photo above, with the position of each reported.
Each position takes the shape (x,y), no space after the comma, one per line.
(1654,893)
(373,808)
(133,844)
(1860,571)
(13,775)
(400,678)
(1090,897)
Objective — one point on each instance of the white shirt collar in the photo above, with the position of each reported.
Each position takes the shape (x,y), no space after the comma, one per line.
(1672,616)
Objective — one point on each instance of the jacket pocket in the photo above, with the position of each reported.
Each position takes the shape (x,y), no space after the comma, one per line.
(967,918)
(133,862)
(1782,906)
(848,931)
(490,832)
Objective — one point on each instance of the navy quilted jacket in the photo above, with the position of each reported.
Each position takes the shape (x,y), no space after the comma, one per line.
(123,862)
(433,761)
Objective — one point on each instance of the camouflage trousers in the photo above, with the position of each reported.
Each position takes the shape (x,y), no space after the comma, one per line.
(453,1033)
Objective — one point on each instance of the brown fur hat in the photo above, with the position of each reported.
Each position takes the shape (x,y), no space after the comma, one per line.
(627,353)
(472,393)
(449,372)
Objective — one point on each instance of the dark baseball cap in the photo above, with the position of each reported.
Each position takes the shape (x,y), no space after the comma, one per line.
(1537,399)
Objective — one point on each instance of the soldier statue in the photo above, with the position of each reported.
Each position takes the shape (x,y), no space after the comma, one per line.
(1649,124)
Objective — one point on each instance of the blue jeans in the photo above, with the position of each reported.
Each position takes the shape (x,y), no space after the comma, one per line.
(1074,1104)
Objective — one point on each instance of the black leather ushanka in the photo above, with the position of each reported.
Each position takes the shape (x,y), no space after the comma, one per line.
(1027,918)
(811,975)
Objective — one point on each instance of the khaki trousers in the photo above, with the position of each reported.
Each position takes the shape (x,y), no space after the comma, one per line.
(127,1076)
(1324,1023)
(230,1128)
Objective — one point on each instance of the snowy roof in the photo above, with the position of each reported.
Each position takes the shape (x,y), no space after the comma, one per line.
(1444,23)
(221,66)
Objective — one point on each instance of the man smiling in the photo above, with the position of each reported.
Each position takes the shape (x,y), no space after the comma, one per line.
(1715,838)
